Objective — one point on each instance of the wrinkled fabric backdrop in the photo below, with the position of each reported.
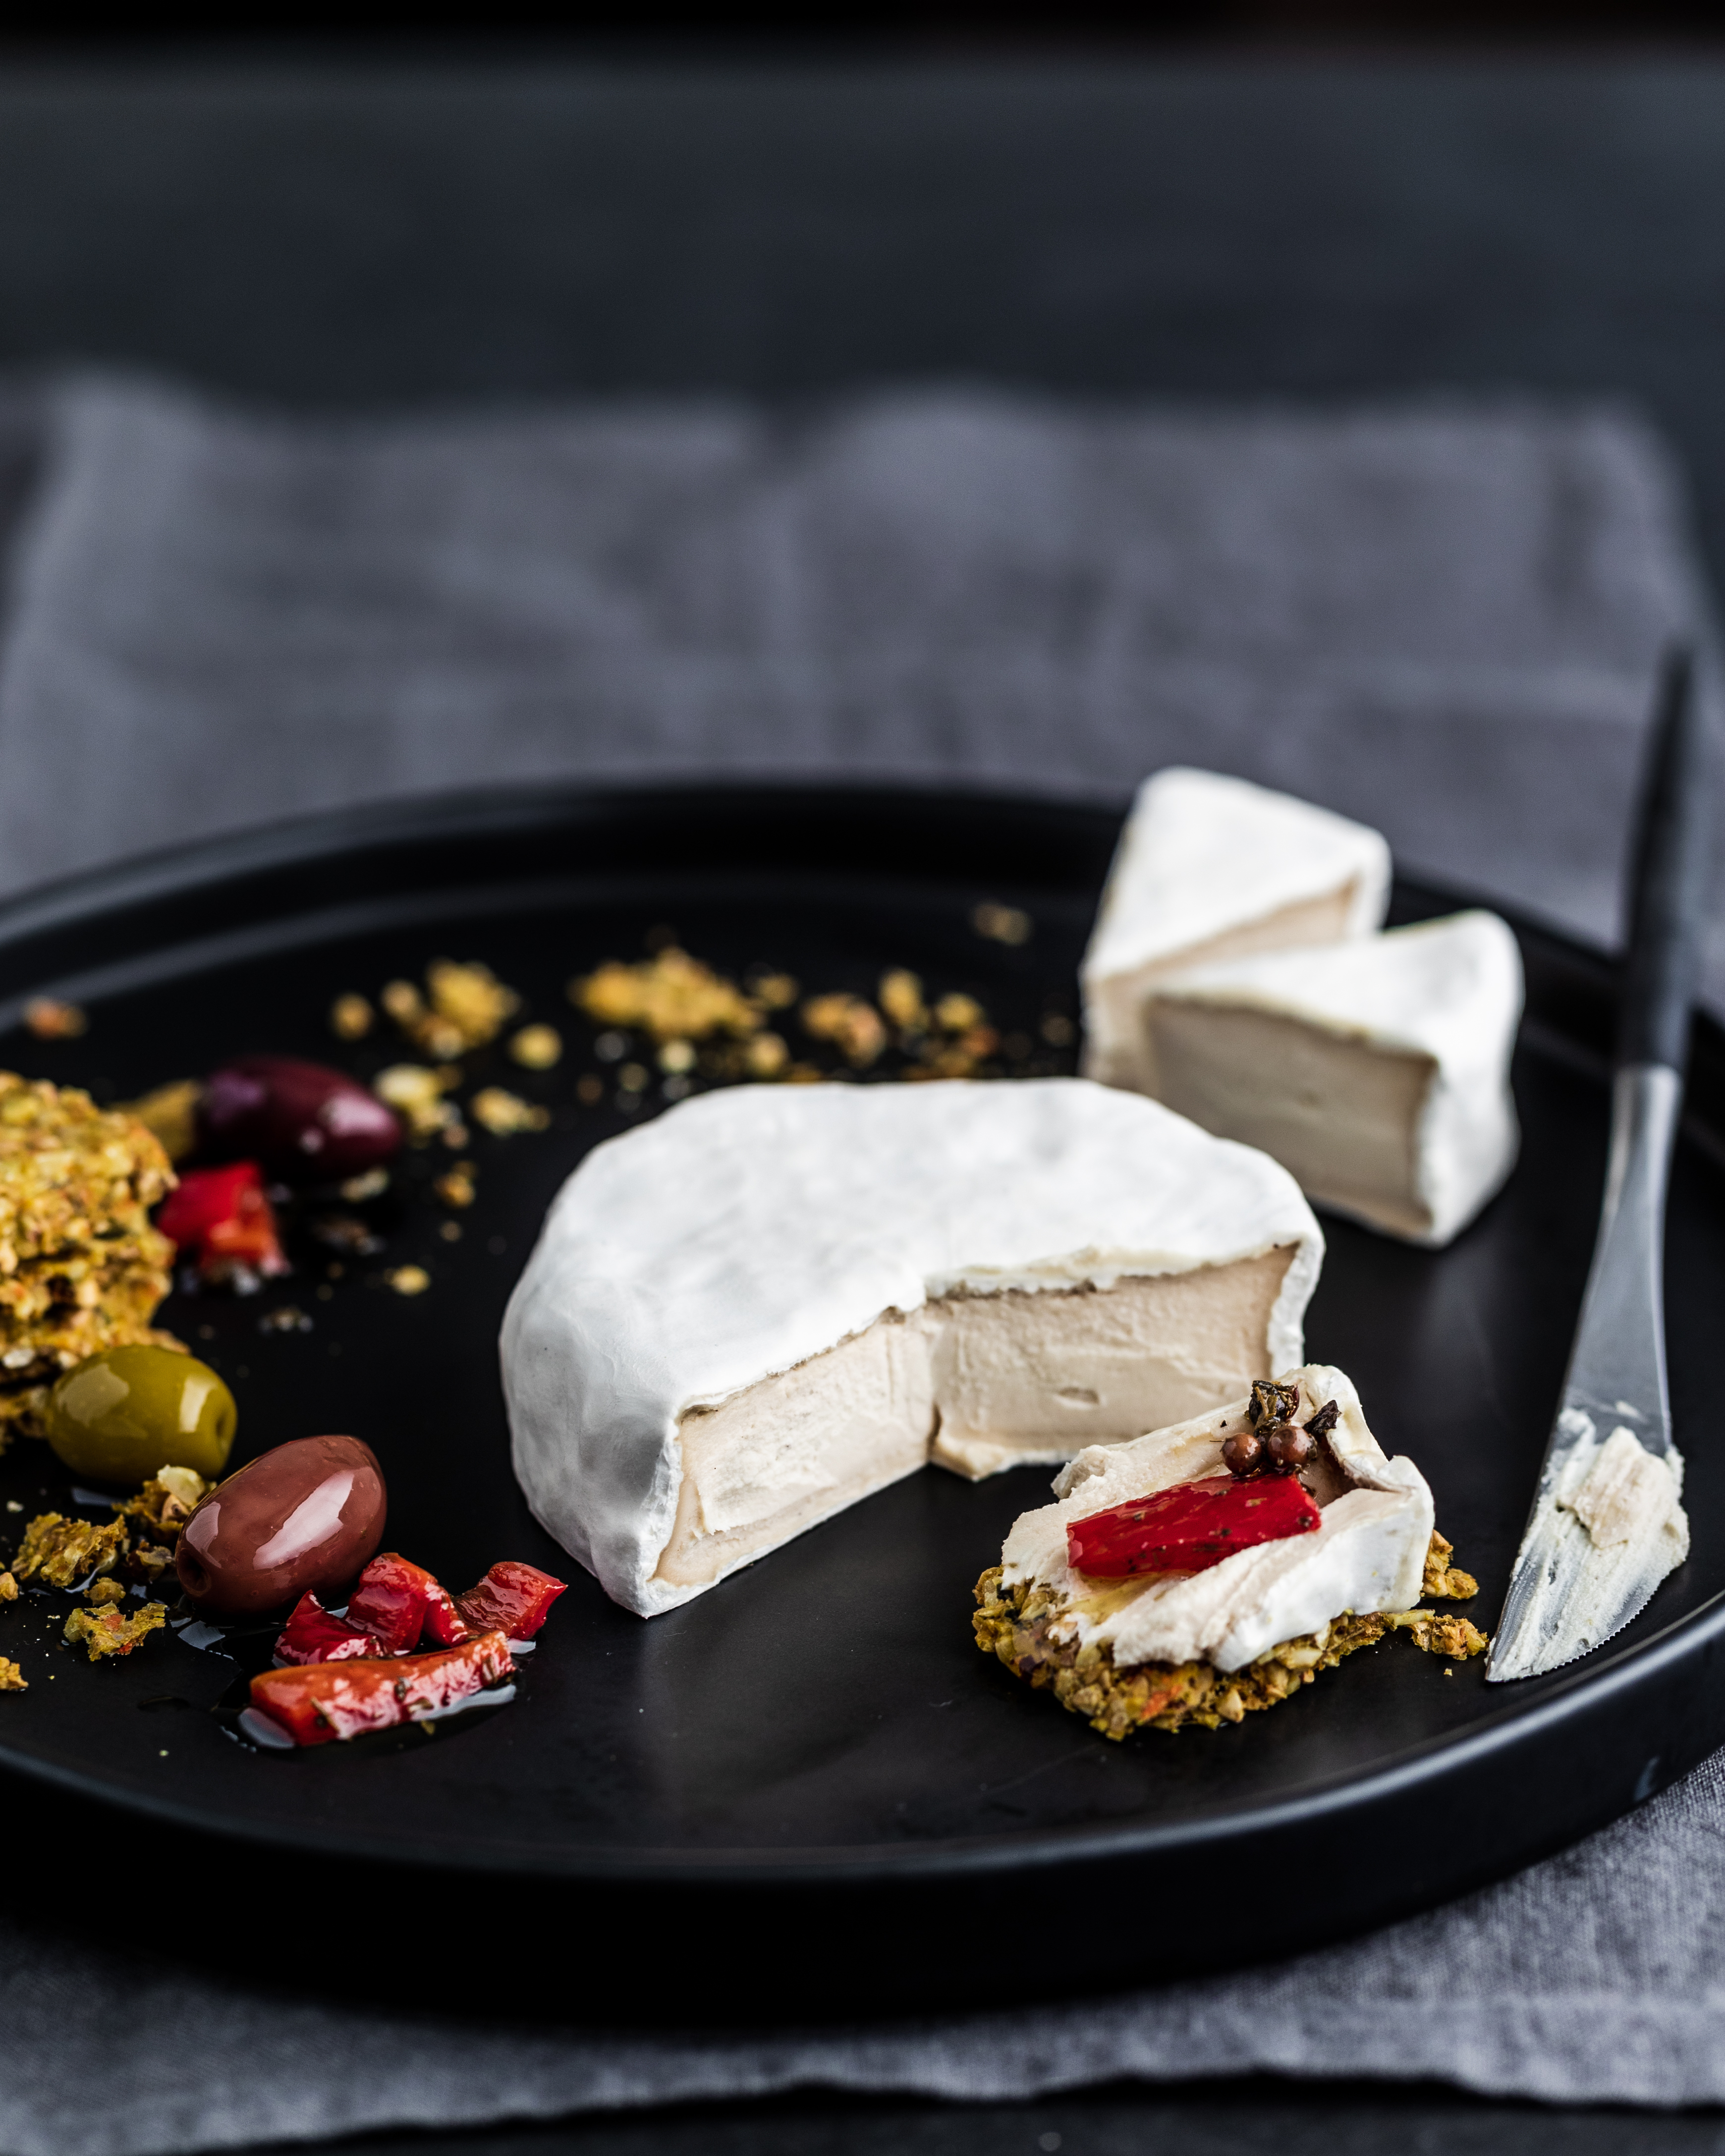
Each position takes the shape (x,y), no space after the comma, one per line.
(1445,619)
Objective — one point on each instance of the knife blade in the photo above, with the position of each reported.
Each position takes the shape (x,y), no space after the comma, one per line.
(1572,1587)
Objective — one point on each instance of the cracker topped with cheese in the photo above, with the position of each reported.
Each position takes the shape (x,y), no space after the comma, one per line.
(1216,1566)
(773,1301)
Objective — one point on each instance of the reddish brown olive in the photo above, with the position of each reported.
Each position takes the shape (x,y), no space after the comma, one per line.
(300,1121)
(305,1516)
(1243,1454)
(1290,1447)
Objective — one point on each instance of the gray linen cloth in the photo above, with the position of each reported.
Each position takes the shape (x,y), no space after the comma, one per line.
(1445,619)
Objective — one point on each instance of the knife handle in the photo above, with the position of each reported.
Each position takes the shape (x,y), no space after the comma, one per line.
(1672,861)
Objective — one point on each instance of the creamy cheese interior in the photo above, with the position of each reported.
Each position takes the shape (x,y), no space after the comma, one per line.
(975,1382)
(1118,1055)
(1341,1113)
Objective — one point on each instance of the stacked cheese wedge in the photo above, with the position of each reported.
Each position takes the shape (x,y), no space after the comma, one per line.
(1237,972)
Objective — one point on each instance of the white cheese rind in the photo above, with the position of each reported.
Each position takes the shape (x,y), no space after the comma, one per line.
(748,1231)
(1210,866)
(1367,1555)
(1448,992)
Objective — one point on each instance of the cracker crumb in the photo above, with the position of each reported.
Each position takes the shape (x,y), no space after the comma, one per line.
(50,1019)
(1444,1581)
(1058,1030)
(959,1013)
(900,997)
(590,1089)
(106,1632)
(537,1047)
(676,1057)
(12,1677)
(1435,1634)
(467,1007)
(9,1588)
(167,1500)
(852,1024)
(351,1018)
(1001,924)
(450,1231)
(416,1093)
(454,1186)
(105,1591)
(503,1114)
(773,991)
(766,1055)
(671,996)
(409,1280)
(59,1551)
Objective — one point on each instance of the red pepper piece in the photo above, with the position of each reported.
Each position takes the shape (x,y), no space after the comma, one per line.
(516,1598)
(221,1216)
(1190,1528)
(314,1634)
(399,1604)
(332,1701)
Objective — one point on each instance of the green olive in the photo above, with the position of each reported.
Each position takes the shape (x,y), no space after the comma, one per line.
(120,1415)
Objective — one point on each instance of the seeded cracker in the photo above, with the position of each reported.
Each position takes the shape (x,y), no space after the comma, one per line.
(106,1632)
(81,1268)
(59,1552)
(1011,1624)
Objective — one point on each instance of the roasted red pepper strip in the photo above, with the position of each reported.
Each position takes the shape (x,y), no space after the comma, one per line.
(400,1604)
(221,1217)
(314,1634)
(516,1598)
(333,1701)
(1190,1528)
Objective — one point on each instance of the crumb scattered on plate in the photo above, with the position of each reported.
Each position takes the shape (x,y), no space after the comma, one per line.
(50,1019)
(503,1114)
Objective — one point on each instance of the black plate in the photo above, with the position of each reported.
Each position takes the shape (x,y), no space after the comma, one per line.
(815,1751)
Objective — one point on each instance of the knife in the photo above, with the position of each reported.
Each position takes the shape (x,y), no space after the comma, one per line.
(1573,1588)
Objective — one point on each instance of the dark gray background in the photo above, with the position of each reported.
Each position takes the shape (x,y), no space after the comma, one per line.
(354,233)
(360,233)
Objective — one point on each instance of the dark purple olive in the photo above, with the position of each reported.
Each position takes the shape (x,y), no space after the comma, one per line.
(300,1121)
(306,1515)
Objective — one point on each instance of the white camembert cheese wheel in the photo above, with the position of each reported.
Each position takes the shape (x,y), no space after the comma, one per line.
(774,1299)
(1377,1071)
(1367,1555)
(1209,869)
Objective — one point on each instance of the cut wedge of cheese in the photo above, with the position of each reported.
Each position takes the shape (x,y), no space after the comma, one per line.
(1209,869)
(774,1299)
(1367,1555)
(1377,1071)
